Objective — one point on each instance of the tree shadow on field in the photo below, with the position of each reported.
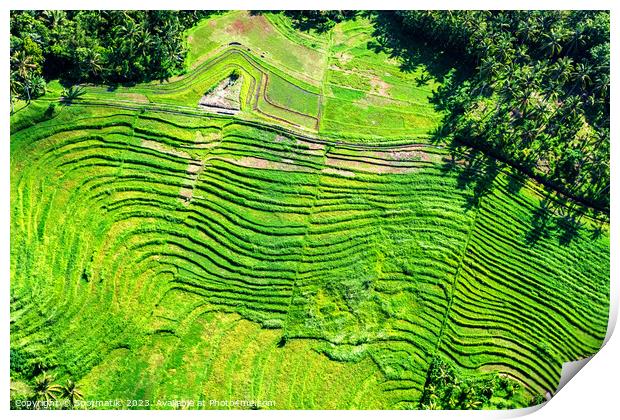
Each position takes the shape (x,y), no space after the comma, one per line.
(319,21)
(568,222)
(391,38)
(597,232)
(569,228)
(474,171)
(476,164)
(558,216)
(540,221)
(516,180)
(555,216)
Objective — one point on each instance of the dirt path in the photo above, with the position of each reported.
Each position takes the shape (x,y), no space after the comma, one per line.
(194,168)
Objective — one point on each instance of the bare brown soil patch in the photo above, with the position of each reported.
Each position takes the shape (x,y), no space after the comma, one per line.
(412,154)
(376,100)
(379,87)
(315,149)
(208,140)
(375,168)
(194,167)
(311,145)
(164,149)
(135,97)
(259,163)
(239,26)
(186,194)
(281,139)
(225,96)
(344,57)
(341,172)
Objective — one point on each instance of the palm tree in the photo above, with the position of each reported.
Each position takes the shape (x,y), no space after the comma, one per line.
(601,85)
(55,17)
(527,29)
(71,391)
(432,390)
(442,374)
(129,32)
(576,40)
(505,47)
(453,402)
(562,69)
(581,75)
(22,63)
(553,42)
(144,42)
(94,63)
(27,85)
(16,89)
(45,389)
(71,94)
(37,85)
(471,404)
(431,406)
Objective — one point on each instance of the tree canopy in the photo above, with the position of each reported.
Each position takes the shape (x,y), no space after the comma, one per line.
(96,46)
(539,93)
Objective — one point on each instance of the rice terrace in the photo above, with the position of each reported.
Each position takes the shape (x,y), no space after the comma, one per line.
(306,210)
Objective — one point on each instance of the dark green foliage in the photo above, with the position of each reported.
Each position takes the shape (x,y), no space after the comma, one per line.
(447,389)
(26,365)
(234,75)
(539,95)
(319,20)
(97,46)
(20,362)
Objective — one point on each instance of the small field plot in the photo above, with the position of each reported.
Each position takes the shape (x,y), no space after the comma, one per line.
(367,92)
(288,95)
(257,33)
(360,116)
(223,356)
(380,251)
(262,92)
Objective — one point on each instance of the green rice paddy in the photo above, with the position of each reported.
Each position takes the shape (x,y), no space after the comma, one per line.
(315,249)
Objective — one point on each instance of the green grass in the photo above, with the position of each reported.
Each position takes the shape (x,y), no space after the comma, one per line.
(368,93)
(332,83)
(162,252)
(291,96)
(257,33)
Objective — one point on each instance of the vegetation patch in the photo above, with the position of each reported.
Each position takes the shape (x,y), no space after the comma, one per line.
(224,96)
(328,246)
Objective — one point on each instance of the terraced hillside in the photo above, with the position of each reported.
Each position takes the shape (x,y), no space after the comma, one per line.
(339,89)
(286,253)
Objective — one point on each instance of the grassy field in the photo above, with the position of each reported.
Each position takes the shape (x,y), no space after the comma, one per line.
(329,84)
(314,250)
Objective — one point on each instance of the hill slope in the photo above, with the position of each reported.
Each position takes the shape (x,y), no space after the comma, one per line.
(163,252)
